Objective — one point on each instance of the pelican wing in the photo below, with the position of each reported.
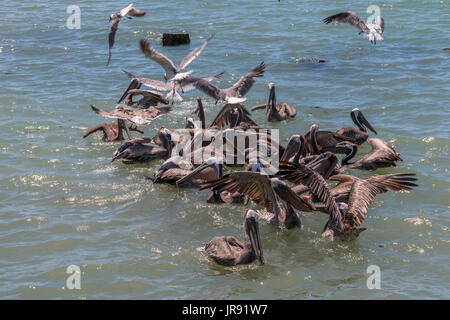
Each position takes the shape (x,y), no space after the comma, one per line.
(257,186)
(224,250)
(139,117)
(381,154)
(193,54)
(149,94)
(302,174)
(349,17)
(361,196)
(159,58)
(245,83)
(286,193)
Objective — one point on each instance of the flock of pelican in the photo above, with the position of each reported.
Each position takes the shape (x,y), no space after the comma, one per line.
(302,178)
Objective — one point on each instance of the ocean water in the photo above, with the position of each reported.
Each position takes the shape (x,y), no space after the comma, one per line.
(64,203)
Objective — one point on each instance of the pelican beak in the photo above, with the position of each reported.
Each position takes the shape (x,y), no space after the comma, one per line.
(134,84)
(364,121)
(270,100)
(193,173)
(254,238)
(291,149)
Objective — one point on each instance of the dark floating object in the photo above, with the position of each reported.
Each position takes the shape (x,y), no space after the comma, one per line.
(448,49)
(175,39)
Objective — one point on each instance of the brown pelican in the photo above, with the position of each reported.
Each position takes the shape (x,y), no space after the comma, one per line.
(276,111)
(372,31)
(209,170)
(111,131)
(380,156)
(360,135)
(135,150)
(172,72)
(323,164)
(115,18)
(394,182)
(265,192)
(149,98)
(229,251)
(171,87)
(316,139)
(345,219)
(235,93)
(139,117)
(232,114)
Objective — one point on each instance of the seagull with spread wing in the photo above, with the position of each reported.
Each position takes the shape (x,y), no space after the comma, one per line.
(115,18)
(172,72)
(235,93)
(372,31)
(171,87)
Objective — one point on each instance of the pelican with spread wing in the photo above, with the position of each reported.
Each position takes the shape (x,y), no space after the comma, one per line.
(266,192)
(171,87)
(372,31)
(115,20)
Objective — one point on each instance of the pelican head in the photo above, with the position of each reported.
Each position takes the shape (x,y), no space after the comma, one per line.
(293,147)
(359,119)
(346,147)
(211,162)
(271,99)
(251,230)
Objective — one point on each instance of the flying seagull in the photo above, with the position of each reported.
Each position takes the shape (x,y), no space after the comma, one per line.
(171,87)
(172,72)
(115,18)
(372,31)
(235,93)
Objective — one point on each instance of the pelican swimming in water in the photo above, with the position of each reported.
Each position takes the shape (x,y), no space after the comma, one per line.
(266,192)
(171,87)
(360,135)
(111,131)
(172,72)
(115,20)
(178,171)
(209,170)
(345,218)
(136,150)
(372,31)
(316,139)
(235,93)
(276,111)
(380,156)
(232,114)
(229,251)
